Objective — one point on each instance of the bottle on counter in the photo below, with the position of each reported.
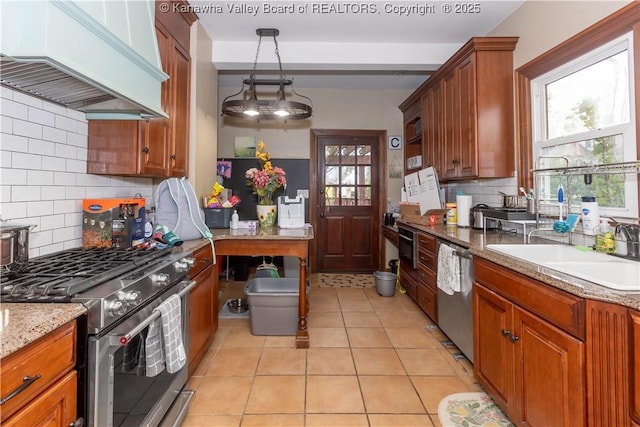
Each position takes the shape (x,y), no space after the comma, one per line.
(452,213)
(605,240)
(235,219)
(590,215)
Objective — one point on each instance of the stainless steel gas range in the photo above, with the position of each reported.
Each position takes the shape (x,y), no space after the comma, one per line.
(121,289)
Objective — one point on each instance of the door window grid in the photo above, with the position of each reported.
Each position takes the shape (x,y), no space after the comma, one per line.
(348,175)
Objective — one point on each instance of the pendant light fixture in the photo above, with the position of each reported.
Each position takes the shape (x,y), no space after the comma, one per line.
(277,106)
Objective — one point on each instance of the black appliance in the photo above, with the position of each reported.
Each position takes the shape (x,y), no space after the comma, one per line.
(408,246)
(120,289)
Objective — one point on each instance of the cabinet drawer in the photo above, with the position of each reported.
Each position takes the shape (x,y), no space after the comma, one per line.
(56,406)
(427,242)
(427,277)
(203,258)
(427,300)
(563,310)
(391,235)
(50,357)
(428,259)
(409,283)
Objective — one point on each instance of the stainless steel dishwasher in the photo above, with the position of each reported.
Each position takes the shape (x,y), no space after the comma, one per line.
(455,312)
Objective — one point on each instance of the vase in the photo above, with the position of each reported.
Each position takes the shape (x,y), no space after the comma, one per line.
(267,215)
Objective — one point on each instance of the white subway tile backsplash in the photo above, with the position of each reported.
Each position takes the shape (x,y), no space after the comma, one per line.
(13,176)
(62,234)
(83,128)
(15,143)
(76,115)
(53,192)
(25,128)
(75,192)
(82,154)
(37,115)
(64,122)
(6,125)
(25,193)
(13,210)
(64,178)
(74,219)
(53,134)
(23,98)
(14,109)
(26,161)
(50,249)
(66,206)
(38,146)
(54,108)
(40,238)
(51,222)
(6,93)
(5,193)
(5,159)
(77,140)
(77,166)
(66,151)
(56,164)
(72,244)
(39,208)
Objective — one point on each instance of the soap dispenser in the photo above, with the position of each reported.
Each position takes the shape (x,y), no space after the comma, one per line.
(235,219)
(605,240)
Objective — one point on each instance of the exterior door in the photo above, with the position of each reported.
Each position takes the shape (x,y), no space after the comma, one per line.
(346,199)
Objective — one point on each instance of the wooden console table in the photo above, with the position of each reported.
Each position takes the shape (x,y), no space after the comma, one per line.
(273,241)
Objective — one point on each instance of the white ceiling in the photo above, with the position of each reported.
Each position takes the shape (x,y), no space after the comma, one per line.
(339,44)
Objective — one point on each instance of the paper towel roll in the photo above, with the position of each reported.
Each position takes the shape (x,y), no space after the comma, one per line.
(464,204)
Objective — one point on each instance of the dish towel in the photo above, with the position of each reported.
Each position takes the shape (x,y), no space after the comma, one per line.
(175,356)
(448,270)
(153,352)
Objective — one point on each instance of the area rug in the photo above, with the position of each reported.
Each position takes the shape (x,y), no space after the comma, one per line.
(335,280)
(471,409)
(226,313)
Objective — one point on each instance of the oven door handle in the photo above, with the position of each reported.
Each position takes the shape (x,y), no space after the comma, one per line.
(124,339)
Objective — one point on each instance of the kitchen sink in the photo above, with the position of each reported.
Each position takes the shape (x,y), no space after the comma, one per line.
(605,270)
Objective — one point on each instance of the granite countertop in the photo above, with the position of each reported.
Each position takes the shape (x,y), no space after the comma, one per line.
(21,324)
(265,233)
(476,241)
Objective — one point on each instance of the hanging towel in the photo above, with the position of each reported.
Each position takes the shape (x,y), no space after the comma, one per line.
(175,356)
(448,270)
(154,354)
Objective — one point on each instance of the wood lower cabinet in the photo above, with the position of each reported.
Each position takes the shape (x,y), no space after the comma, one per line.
(634,365)
(157,147)
(203,306)
(47,366)
(528,364)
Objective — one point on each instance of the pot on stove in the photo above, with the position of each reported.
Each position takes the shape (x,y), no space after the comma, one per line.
(15,243)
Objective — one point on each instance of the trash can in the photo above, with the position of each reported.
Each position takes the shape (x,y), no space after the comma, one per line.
(385,283)
(273,305)
(393,265)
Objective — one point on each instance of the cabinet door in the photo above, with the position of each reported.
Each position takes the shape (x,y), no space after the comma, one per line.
(202,308)
(55,407)
(549,373)
(436,123)
(468,146)
(493,351)
(451,123)
(634,365)
(155,134)
(180,75)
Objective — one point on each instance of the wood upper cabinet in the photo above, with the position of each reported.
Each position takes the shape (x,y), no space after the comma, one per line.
(156,147)
(520,356)
(467,112)
(203,306)
(413,129)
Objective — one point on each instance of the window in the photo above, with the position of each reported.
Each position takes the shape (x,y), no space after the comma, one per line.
(584,111)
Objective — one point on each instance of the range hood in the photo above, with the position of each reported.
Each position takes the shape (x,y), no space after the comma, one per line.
(100,57)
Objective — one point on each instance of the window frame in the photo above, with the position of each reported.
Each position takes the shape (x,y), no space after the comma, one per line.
(625,20)
(540,123)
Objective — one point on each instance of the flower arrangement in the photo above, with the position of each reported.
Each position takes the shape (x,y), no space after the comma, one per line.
(266,180)
(217,198)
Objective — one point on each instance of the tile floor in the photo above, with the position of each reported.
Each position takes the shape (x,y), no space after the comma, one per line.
(373,361)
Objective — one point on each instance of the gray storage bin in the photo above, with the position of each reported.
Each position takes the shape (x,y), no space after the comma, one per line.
(273,305)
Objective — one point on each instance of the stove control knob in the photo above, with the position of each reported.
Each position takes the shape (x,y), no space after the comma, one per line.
(116,308)
(185,264)
(160,279)
(131,298)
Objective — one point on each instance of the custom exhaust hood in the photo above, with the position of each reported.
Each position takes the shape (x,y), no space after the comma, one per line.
(99,57)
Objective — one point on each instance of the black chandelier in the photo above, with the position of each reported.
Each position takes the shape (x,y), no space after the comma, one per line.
(252,107)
